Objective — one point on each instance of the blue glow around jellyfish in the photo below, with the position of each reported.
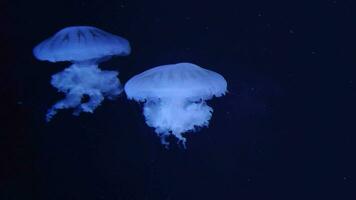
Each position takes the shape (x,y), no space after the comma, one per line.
(85,47)
(174,97)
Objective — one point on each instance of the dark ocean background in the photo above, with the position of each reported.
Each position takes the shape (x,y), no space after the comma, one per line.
(285,130)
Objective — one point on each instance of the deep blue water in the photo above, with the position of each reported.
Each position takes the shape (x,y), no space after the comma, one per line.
(285,129)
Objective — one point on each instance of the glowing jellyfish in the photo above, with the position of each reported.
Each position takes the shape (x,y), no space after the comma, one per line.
(174,97)
(85,47)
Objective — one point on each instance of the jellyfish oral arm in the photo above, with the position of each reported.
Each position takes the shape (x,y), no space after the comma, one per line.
(175,116)
(84,79)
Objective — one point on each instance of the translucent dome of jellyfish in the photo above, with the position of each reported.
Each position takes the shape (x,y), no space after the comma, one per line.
(174,97)
(85,47)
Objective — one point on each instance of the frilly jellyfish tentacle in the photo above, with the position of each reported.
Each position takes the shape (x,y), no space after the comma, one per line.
(164,136)
(181,140)
(77,81)
(95,98)
(176,116)
(112,84)
(72,100)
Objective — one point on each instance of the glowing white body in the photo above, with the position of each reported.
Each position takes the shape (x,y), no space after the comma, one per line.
(84,47)
(174,97)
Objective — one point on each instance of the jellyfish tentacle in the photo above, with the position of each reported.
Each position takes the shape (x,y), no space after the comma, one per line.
(85,79)
(71,100)
(164,142)
(95,99)
(181,140)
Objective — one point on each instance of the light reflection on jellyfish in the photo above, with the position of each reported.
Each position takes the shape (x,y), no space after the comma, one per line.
(174,97)
(85,47)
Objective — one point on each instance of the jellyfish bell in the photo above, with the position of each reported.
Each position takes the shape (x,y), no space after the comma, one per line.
(81,44)
(174,97)
(85,47)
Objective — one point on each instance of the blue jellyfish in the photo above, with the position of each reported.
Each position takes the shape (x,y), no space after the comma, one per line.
(85,47)
(174,97)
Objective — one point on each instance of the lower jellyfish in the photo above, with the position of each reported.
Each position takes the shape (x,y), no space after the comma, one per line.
(174,98)
(85,47)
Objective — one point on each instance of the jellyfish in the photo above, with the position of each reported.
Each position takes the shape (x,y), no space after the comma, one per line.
(174,98)
(85,47)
